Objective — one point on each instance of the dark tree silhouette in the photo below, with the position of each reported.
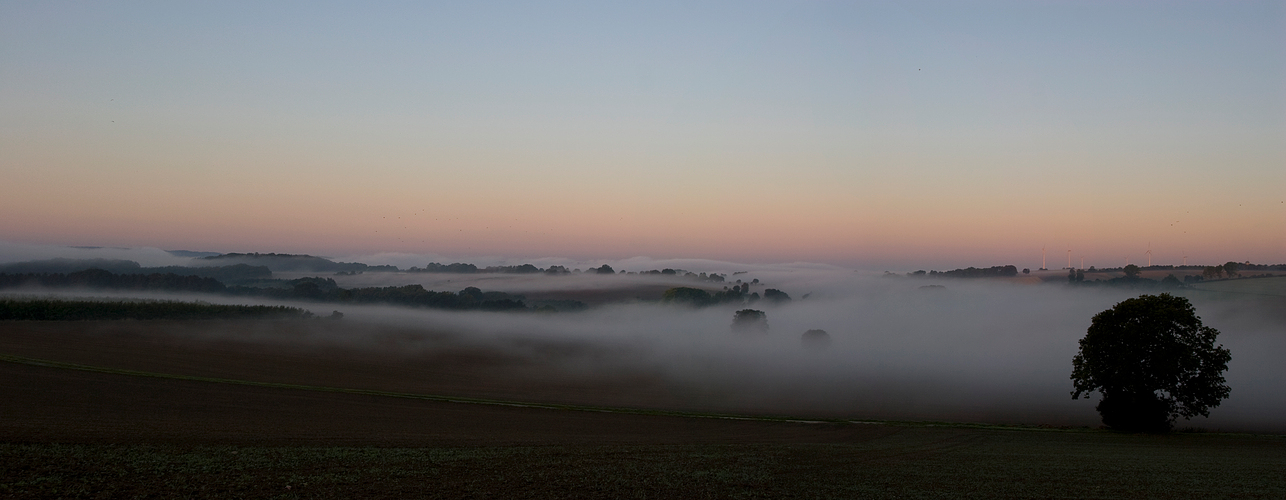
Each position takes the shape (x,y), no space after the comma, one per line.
(750,320)
(1153,361)
(1131,271)
(98,310)
(973,272)
(775,295)
(687,295)
(816,338)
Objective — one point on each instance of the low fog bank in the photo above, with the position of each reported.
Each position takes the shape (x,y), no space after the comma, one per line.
(147,257)
(976,350)
(797,279)
(981,350)
(632,264)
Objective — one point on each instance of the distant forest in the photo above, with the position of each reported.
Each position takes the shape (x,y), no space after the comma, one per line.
(971,272)
(283,262)
(239,277)
(737,294)
(463,268)
(98,278)
(309,289)
(326,290)
(255,269)
(90,310)
(230,274)
(1131,278)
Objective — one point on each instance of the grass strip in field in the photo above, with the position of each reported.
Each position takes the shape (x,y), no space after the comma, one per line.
(1262,286)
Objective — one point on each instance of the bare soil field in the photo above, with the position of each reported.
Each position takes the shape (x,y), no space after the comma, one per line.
(290,352)
(913,462)
(162,409)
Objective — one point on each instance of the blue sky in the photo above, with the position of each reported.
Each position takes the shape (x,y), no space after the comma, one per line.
(854,132)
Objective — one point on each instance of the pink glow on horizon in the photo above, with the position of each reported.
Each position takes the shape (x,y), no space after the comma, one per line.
(857,234)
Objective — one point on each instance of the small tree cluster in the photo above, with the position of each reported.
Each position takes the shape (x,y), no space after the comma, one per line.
(750,321)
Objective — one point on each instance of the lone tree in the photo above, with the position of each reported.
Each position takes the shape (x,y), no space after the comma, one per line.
(1153,361)
(816,338)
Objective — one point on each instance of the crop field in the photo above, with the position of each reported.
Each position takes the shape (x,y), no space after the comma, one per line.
(1275,286)
(156,409)
(889,462)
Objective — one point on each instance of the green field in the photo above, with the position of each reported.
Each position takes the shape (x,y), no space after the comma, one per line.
(1275,286)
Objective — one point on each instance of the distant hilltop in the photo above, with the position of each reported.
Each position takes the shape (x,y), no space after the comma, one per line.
(235,273)
(284,262)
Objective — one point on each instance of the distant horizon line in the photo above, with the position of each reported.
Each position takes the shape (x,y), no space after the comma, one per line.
(617,262)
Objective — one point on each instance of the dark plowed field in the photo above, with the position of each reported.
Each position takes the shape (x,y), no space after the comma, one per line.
(320,353)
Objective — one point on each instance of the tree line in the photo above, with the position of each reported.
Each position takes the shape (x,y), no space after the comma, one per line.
(326,290)
(230,274)
(971,272)
(90,310)
(297,263)
(737,294)
(309,289)
(98,278)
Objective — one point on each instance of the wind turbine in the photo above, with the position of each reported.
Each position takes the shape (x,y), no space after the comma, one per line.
(1069,259)
(1149,252)
(1185,257)
(1042,258)
(1082,262)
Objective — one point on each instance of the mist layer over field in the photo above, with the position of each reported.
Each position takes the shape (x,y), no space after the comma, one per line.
(977,350)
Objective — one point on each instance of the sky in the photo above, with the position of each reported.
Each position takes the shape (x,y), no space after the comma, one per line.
(878,135)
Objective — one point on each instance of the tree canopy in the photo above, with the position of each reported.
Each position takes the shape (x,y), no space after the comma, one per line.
(97,310)
(1153,361)
(687,295)
(750,320)
(973,272)
(775,295)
